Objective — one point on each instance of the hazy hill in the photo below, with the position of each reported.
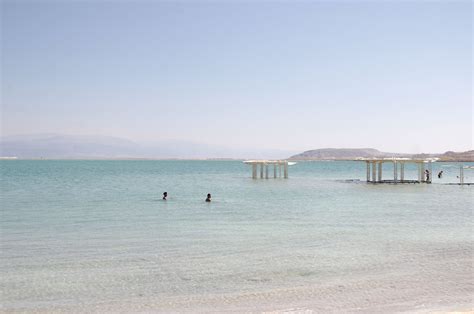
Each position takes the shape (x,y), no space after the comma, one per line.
(61,146)
(353,153)
(71,146)
(462,156)
(342,154)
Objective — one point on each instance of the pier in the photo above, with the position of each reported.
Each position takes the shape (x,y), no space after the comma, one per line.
(374,170)
(264,168)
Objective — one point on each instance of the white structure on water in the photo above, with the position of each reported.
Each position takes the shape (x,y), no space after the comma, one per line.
(374,169)
(461,174)
(264,164)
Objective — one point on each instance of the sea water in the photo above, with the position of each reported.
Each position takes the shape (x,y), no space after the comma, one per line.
(96,236)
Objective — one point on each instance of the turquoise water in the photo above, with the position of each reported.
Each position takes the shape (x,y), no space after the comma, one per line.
(96,236)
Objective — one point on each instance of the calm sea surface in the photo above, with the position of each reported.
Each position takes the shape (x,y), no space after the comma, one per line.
(96,236)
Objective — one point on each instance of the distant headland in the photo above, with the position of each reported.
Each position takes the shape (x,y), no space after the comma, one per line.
(353,153)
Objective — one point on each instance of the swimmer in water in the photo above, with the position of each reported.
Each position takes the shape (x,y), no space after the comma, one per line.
(208,199)
(165,195)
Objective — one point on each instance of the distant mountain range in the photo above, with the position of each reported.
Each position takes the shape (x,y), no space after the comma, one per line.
(55,146)
(353,153)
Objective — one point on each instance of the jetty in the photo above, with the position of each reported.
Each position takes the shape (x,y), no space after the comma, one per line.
(265,164)
(374,170)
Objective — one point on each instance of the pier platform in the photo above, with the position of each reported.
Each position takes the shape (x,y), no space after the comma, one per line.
(374,170)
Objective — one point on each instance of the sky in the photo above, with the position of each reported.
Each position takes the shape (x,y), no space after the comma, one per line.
(392,75)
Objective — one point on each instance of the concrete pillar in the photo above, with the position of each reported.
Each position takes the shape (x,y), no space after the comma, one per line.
(254,171)
(374,171)
(402,171)
(380,172)
(368,171)
(274,171)
(266,171)
(430,169)
(286,170)
(395,171)
(423,177)
(261,171)
(461,174)
(279,170)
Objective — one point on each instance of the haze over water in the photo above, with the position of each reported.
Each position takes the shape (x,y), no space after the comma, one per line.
(96,236)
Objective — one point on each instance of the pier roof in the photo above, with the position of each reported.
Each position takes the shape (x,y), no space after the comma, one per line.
(269,162)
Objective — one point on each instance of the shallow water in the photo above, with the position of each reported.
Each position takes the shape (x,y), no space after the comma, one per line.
(96,236)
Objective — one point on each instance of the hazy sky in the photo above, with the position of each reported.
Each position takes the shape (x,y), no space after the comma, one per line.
(393,75)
